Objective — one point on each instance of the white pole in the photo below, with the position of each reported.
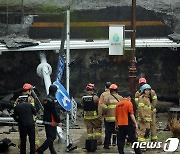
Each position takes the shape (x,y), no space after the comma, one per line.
(44,70)
(67,71)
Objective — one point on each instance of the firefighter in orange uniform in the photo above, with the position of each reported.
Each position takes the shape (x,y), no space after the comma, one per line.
(144,114)
(91,118)
(109,111)
(153,100)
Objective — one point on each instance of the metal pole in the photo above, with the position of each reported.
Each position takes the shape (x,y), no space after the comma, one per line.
(67,70)
(132,68)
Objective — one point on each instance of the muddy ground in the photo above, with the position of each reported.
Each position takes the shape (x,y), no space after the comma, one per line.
(78,136)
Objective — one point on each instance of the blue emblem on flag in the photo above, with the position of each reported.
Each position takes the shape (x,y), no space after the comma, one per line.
(63,97)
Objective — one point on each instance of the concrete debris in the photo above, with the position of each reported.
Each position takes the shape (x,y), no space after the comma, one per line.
(15,42)
(175,37)
(16,35)
(18,29)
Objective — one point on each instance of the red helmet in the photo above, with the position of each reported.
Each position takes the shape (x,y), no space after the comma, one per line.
(142,80)
(113,86)
(90,86)
(27,86)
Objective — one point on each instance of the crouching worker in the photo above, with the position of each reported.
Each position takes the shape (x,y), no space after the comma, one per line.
(52,119)
(126,123)
(23,114)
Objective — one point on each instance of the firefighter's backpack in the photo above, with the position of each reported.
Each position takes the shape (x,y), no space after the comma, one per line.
(91,145)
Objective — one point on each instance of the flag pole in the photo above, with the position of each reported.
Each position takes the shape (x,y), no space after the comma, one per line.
(67,70)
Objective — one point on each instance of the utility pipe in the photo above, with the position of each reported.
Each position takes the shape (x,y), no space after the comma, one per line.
(44,70)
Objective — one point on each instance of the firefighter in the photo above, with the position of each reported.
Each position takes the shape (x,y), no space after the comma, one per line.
(106,93)
(144,114)
(142,81)
(23,114)
(101,107)
(27,97)
(109,110)
(91,118)
(153,100)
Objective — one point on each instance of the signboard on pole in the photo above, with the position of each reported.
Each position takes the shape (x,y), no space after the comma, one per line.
(63,97)
(116,39)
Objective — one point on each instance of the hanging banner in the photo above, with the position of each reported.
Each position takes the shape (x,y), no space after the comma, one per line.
(60,68)
(116,39)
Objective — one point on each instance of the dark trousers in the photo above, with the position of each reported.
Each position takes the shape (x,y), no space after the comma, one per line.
(109,130)
(24,131)
(51,136)
(122,132)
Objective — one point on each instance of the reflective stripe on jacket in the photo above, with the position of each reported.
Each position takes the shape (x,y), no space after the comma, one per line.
(144,108)
(102,107)
(89,115)
(110,103)
(90,105)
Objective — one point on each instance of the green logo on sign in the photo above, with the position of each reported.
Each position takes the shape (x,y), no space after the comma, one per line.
(116,38)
